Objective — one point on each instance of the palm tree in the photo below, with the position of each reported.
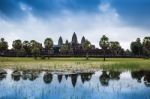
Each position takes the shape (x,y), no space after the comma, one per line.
(35,51)
(3,45)
(104,44)
(35,48)
(17,45)
(104,78)
(138,40)
(115,47)
(146,46)
(86,46)
(48,45)
(26,46)
(48,77)
(136,47)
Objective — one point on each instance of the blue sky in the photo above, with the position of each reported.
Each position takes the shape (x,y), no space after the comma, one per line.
(121,20)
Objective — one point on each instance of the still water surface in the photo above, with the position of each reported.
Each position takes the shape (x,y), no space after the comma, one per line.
(97,85)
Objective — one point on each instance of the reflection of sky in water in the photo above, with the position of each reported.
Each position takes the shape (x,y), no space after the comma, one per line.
(124,88)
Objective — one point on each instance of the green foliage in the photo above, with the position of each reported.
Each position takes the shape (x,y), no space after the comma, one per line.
(104,44)
(67,64)
(136,47)
(121,66)
(3,44)
(35,51)
(86,46)
(48,44)
(43,57)
(27,47)
(17,44)
(115,47)
(65,47)
(146,46)
(35,48)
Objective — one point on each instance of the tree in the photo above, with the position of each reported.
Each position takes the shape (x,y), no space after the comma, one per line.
(86,46)
(104,78)
(104,44)
(65,47)
(17,45)
(3,45)
(35,51)
(26,46)
(136,47)
(140,46)
(146,46)
(115,47)
(47,78)
(35,48)
(48,45)
(128,52)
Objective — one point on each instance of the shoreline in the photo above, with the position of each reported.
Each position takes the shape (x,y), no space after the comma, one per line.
(75,64)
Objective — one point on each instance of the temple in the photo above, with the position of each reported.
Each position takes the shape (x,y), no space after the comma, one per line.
(70,48)
(65,48)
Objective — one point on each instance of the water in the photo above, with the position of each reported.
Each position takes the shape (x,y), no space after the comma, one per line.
(98,85)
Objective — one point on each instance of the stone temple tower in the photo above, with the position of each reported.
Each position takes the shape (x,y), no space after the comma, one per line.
(60,41)
(74,39)
(82,40)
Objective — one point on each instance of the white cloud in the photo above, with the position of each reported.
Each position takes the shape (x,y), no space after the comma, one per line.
(92,26)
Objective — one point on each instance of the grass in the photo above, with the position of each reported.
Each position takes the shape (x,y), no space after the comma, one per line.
(75,64)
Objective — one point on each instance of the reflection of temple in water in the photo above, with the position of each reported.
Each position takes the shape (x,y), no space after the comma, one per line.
(59,77)
(104,78)
(66,76)
(73,79)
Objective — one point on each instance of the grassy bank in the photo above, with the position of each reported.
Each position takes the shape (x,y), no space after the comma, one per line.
(75,64)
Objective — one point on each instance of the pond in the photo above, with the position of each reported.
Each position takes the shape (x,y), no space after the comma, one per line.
(94,85)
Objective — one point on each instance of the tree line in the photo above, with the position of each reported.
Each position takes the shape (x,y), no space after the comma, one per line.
(138,47)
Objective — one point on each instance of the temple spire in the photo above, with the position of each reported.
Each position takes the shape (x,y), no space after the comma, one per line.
(74,39)
(60,41)
(82,40)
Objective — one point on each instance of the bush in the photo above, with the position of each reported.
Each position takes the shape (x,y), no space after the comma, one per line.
(43,57)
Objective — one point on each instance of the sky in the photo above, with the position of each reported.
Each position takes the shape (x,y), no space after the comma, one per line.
(120,20)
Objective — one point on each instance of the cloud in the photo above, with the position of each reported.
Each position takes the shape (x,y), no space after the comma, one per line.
(46,8)
(92,26)
(133,12)
(119,20)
